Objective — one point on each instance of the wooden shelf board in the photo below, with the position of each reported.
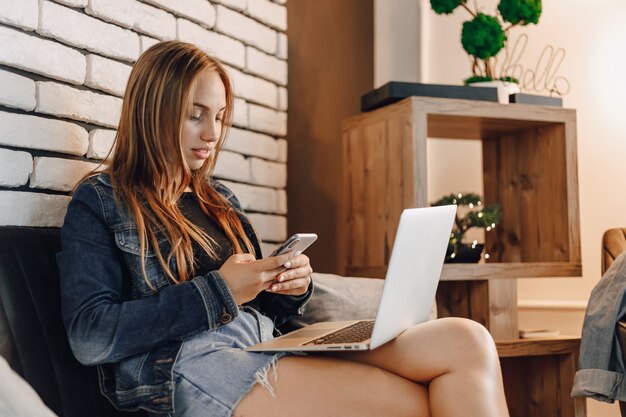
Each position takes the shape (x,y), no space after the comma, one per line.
(562,345)
(456,272)
(470,272)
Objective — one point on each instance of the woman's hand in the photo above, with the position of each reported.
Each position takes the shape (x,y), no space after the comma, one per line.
(246,277)
(296,279)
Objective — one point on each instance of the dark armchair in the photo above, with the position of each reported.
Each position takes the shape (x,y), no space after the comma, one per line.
(32,336)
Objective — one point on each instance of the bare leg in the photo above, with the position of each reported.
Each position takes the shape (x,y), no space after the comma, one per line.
(455,357)
(458,360)
(328,387)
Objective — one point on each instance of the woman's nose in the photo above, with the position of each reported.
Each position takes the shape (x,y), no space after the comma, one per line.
(210,132)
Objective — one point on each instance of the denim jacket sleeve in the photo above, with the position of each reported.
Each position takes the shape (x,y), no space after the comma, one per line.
(601,372)
(102,322)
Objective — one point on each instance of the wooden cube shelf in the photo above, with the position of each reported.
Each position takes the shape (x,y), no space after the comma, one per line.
(538,375)
(529,169)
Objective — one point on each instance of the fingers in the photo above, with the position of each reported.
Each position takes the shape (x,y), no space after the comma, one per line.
(296,286)
(274,262)
(291,274)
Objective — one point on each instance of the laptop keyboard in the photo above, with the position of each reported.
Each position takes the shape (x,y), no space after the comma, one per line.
(357,332)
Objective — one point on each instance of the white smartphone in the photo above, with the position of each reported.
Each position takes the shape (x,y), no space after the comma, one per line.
(297,242)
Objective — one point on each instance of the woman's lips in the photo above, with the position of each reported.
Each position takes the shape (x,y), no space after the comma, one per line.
(201,153)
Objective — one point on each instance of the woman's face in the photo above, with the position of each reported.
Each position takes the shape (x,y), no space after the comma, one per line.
(202,125)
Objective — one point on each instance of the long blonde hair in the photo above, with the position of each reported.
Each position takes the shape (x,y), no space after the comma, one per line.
(148,171)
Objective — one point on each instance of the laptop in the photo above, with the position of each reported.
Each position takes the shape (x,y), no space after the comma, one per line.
(408,294)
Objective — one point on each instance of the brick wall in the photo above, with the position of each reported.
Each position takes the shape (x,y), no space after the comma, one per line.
(63,70)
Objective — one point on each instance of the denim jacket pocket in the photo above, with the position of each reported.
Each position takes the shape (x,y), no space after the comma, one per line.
(127,239)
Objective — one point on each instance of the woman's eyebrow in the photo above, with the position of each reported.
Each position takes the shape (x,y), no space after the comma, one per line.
(206,107)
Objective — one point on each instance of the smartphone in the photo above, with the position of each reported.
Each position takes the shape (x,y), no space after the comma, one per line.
(297,242)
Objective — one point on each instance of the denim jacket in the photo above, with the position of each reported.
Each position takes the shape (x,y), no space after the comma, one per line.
(116,321)
(601,373)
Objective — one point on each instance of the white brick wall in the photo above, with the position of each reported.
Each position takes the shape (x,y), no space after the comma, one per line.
(76,29)
(107,75)
(266,65)
(240,114)
(73,3)
(15,167)
(146,42)
(22,13)
(61,100)
(41,56)
(282,46)
(239,5)
(272,228)
(65,65)
(200,11)
(17,91)
(32,209)
(246,29)
(273,14)
(282,150)
(254,89)
(255,198)
(267,120)
(135,15)
(282,99)
(224,48)
(59,174)
(251,143)
(33,132)
(232,166)
(100,143)
(272,174)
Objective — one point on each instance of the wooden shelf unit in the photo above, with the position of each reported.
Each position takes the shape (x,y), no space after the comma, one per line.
(529,169)
(538,375)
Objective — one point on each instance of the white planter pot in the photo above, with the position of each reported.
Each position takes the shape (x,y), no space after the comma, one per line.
(504,88)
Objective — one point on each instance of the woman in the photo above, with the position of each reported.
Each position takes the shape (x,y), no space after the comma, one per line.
(163,283)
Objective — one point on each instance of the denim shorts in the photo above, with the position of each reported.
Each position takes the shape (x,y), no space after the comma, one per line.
(213,373)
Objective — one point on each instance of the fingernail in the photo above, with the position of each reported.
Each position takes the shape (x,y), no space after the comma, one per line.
(274,287)
(288,264)
(297,253)
(281,278)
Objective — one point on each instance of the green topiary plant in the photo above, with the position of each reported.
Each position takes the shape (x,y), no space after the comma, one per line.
(470,213)
(484,36)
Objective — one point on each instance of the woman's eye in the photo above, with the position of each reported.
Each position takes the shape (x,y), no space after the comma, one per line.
(196,116)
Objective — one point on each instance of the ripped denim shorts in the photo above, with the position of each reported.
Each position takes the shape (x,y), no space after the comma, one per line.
(213,373)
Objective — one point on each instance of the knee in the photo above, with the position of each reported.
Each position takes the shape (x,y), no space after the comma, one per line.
(474,342)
